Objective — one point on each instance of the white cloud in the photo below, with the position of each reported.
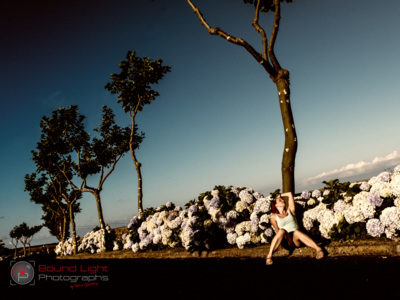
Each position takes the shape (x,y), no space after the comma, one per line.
(377,164)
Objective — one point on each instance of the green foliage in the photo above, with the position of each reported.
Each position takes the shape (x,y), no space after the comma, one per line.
(226,197)
(337,190)
(134,83)
(345,231)
(387,202)
(49,191)
(275,194)
(66,153)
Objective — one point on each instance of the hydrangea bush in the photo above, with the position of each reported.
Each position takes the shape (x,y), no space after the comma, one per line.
(223,217)
(240,217)
(65,248)
(96,241)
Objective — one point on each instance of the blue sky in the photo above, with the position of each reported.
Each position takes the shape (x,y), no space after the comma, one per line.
(217,119)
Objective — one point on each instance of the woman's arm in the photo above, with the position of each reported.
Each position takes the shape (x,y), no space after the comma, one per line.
(291,204)
(274,223)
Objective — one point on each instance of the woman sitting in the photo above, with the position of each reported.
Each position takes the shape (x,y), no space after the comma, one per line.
(284,223)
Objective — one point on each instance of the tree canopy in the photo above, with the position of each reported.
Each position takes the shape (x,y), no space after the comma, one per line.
(134,88)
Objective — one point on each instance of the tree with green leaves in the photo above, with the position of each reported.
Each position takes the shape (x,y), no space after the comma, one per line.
(134,88)
(58,199)
(27,234)
(53,193)
(15,235)
(73,154)
(280,76)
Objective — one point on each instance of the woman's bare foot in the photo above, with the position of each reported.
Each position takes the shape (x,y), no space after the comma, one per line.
(320,254)
(269,261)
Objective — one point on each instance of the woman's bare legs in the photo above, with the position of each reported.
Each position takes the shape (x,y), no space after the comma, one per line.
(276,241)
(299,236)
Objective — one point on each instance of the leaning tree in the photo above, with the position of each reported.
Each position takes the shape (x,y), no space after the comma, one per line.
(280,76)
(133,85)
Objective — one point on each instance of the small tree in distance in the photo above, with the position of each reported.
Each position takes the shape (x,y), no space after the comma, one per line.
(27,235)
(15,235)
(134,88)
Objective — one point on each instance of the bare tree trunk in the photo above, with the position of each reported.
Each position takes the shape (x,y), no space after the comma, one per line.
(73,229)
(64,228)
(137,166)
(290,148)
(96,194)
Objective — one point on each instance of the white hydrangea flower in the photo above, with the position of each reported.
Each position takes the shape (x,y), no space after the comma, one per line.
(361,202)
(305,195)
(245,196)
(390,233)
(365,186)
(241,206)
(396,170)
(311,202)
(386,192)
(206,201)
(375,228)
(353,214)
(151,226)
(135,247)
(372,181)
(339,206)
(215,192)
(390,217)
(263,205)
(243,227)
(395,184)
(326,192)
(316,194)
(231,237)
(380,186)
(215,213)
(242,240)
(327,220)
(265,218)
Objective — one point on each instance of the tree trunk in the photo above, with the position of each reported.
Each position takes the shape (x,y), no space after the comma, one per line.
(63,227)
(101,218)
(96,194)
(290,148)
(72,221)
(137,165)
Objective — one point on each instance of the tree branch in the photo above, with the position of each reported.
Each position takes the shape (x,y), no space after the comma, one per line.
(109,172)
(260,30)
(101,181)
(274,34)
(237,41)
(79,168)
